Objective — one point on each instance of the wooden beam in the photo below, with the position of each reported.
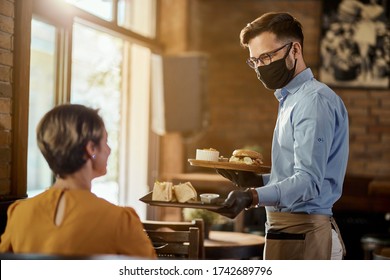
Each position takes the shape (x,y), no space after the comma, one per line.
(21,78)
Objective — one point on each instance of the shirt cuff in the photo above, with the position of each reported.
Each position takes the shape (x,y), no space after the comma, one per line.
(267,195)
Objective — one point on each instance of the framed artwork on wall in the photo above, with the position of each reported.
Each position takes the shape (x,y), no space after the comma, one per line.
(355,43)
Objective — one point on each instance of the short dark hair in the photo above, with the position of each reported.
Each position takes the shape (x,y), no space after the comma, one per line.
(283,25)
(63,133)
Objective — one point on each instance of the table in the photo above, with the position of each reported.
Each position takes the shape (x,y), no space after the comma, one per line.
(233,245)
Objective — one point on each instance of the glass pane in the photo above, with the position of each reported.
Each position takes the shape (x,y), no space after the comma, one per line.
(138,16)
(139,127)
(100,8)
(96,82)
(42,91)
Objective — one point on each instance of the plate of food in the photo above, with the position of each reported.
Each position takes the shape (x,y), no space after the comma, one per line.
(182,195)
(241,160)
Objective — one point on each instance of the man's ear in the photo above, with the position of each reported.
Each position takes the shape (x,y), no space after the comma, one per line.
(297,48)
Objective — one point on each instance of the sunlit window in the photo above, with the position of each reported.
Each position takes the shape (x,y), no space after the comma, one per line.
(96,82)
(99,67)
(100,8)
(138,16)
(135,15)
(42,93)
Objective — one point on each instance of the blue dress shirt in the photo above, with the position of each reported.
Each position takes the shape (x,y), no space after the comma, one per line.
(309,149)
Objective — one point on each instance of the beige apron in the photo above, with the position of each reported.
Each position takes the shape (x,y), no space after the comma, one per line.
(292,236)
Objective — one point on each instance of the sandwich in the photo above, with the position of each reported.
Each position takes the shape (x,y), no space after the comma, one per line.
(249,157)
(165,191)
(162,191)
(185,192)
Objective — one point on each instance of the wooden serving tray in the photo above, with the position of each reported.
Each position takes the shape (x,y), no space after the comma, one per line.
(260,169)
(192,204)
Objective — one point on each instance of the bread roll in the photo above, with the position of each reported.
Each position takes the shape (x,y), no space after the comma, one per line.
(248,157)
(247,153)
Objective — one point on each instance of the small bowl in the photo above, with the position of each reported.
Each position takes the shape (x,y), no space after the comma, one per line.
(208,197)
(209,155)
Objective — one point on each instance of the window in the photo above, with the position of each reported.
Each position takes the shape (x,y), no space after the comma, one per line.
(96,82)
(43,68)
(135,15)
(107,70)
(100,8)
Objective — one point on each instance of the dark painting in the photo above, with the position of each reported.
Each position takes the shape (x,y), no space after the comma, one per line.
(355,43)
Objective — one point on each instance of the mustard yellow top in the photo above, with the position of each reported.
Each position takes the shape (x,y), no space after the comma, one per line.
(91,225)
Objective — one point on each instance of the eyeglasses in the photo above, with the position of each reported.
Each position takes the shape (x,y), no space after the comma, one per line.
(266,58)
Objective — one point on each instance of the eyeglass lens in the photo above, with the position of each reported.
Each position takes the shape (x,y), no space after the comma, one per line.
(266,58)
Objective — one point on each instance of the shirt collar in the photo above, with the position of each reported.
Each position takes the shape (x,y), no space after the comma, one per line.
(293,86)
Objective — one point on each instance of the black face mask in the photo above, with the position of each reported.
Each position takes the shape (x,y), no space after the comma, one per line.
(276,74)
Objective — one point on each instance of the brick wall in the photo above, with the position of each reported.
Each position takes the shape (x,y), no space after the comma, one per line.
(6,63)
(243,113)
(369,115)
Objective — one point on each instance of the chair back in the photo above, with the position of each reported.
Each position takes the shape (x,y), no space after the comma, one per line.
(177,239)
(4,204)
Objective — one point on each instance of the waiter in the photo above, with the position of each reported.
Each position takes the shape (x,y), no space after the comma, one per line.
(309,148)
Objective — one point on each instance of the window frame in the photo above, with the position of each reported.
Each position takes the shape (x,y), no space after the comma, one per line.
(21,61)
(63,15)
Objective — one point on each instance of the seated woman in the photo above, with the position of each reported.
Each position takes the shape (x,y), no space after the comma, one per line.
(68,219)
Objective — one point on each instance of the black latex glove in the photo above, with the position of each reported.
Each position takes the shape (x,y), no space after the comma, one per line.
(235,203)
(244,179)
